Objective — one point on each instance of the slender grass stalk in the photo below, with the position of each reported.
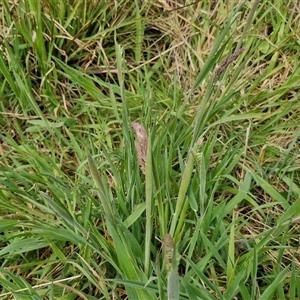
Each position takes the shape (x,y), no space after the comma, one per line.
(104,199)
(149,206)
(171,264)
(181,197)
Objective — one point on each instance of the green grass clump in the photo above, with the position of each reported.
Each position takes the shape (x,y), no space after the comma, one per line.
(149,150)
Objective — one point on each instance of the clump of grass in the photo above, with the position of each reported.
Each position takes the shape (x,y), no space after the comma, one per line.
(215,176)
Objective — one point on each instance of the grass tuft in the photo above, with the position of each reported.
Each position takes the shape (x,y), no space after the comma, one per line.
(199,202)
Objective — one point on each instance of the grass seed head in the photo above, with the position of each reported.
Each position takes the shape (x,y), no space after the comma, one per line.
(228,60)
(141,144)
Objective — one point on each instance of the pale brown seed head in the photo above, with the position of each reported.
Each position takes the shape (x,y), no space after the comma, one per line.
(141,144)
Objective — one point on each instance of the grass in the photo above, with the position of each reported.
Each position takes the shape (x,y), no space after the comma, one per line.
(209,209)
